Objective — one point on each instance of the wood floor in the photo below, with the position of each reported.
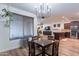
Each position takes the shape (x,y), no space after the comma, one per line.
(15,52)
(68,47)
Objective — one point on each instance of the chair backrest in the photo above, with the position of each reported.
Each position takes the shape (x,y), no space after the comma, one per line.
(51,37)
(44,37)
(35,37)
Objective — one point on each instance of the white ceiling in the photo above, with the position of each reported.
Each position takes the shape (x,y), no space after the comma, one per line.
(57,9)
(69,10)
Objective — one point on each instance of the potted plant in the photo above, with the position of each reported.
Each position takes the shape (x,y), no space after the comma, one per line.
(6,14)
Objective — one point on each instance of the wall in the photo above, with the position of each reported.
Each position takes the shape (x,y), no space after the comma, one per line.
(55,20)
(5,43)
(54,28)
(61,25)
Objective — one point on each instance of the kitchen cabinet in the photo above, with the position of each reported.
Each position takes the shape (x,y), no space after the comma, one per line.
(67,26)
(61,35)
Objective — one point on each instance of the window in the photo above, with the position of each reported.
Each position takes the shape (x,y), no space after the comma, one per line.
(21,26)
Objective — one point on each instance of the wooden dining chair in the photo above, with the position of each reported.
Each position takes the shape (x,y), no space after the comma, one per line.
(50,37)
(32,47)
(56,47)
(53,50)
(37,48)
(35,37)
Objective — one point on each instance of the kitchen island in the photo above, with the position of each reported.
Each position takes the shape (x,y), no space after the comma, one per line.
(60,34)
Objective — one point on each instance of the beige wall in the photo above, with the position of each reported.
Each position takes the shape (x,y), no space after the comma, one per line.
(55,20)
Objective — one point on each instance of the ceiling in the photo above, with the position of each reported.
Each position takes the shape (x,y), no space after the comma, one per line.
(65,10)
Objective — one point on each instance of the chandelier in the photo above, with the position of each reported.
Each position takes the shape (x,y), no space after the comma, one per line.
(43,10)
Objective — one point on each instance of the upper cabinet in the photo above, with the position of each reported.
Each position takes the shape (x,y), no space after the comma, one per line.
(67,26)
(72,24)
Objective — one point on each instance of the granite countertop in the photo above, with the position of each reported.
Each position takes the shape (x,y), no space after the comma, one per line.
(61,30)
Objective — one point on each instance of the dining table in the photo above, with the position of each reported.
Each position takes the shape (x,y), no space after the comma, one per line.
(43,44)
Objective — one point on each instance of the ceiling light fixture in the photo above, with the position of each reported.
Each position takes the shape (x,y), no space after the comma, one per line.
(43,10)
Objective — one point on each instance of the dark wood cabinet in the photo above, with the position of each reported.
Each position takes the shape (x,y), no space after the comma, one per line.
(78,35)
(67,26)
(67,35)
(56,36)
(61,35)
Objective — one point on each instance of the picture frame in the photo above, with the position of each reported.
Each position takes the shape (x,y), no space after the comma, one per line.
(54,25)
(58,25)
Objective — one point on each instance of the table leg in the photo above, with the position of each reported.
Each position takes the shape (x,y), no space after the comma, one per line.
(43,51)
(53,49)
(33,49)
(29,50)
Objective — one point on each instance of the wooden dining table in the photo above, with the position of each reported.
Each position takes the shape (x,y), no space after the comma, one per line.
(43,44)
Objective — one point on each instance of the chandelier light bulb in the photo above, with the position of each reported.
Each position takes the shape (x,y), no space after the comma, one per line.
(43,10)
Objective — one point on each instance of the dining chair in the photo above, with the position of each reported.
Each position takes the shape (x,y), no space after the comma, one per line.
(50,37)
(35,37)
(29,42)
(37,48)
(32,46)
(56,47)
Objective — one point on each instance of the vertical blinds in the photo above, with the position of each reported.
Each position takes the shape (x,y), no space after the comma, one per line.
(21,26)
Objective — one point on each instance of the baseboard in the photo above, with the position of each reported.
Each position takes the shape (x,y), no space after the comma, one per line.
(7,49)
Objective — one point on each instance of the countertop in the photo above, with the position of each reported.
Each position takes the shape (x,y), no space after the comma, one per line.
(61,30)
